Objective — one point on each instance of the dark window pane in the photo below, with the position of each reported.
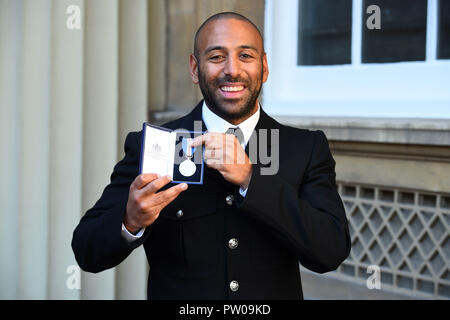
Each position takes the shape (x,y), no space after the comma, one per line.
(444,30)
(325,32)
(402,36)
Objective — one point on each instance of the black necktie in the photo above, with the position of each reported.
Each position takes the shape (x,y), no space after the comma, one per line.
(238,133)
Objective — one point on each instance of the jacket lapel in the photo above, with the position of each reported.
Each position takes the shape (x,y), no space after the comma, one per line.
(257,144)
(188,121)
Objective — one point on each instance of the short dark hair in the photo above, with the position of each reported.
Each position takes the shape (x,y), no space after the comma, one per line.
(219,16)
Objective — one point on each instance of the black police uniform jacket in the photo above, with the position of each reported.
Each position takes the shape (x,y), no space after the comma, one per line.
(291,216)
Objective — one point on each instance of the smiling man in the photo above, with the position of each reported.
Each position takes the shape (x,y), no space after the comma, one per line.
(242,233)
(229,66)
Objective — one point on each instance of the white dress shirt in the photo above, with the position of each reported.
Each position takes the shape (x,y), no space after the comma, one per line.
(213,123)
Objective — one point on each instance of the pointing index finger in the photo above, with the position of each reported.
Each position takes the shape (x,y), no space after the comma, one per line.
(198,141)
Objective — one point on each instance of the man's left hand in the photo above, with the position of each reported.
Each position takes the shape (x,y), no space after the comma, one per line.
(224,153)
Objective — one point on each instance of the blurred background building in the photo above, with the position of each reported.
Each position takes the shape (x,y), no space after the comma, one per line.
(70,93)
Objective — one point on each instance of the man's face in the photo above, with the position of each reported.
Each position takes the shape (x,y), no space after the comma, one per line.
(230,68)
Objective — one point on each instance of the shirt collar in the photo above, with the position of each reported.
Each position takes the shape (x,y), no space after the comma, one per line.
(214,123)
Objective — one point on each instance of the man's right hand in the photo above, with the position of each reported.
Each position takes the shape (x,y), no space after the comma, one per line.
(145,203)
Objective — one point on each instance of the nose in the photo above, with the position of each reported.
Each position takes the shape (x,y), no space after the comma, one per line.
(232,68)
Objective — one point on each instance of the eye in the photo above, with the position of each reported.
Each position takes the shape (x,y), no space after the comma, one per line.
(217,57)
(246,56)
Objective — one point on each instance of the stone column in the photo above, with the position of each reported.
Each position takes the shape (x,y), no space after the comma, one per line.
(10,35)
(131,276)
(34,133)
(99,120)
(65,153)
(157,65)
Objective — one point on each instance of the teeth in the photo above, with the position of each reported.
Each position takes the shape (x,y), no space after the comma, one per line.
(232,89)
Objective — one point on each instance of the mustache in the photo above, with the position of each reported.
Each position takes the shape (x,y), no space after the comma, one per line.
(228,79)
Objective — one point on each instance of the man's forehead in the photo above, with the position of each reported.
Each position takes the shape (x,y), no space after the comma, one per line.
(229,28)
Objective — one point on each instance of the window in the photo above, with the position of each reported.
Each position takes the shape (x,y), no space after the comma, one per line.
(444,30)
(403,33)
(325,32)
(325,61)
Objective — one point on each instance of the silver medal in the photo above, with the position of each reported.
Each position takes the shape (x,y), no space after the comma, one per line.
(187,167)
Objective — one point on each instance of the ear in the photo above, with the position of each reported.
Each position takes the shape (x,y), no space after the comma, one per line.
(193,66)
(265,68)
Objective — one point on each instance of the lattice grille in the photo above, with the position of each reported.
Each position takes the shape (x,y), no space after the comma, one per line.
(404,232)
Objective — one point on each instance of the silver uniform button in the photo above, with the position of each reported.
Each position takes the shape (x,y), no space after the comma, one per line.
(229,199)
(233,243)
(180,213)
(234,286)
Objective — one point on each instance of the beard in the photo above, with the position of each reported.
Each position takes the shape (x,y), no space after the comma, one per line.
(230,109)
